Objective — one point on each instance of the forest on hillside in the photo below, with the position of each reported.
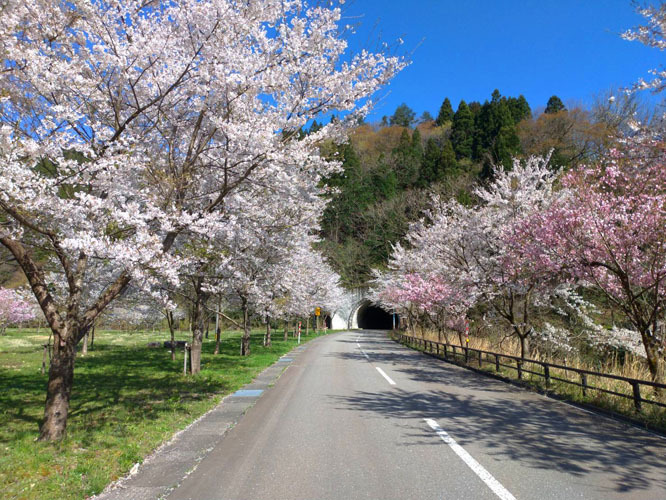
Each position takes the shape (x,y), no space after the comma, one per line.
(392,169)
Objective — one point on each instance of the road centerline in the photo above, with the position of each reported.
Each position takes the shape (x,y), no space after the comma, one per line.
(383,374)
(476,467)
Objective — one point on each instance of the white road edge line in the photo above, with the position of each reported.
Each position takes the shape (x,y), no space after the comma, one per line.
(388,379)
(478,469)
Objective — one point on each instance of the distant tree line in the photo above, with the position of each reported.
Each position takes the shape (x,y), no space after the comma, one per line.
(391,168)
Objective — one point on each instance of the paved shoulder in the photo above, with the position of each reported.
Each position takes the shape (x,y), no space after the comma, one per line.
(170,464)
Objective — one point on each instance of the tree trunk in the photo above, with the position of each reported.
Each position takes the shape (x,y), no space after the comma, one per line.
(197,342)
(245,341)
(524,346)
(217,330)
(84,345)
(217,341)
(59,388)
(286,330)
(197,333)
(267,336)
(307,326)
(92,338)
(655,364)
(173,334)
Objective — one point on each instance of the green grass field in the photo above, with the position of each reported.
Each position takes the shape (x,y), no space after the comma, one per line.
(127,399)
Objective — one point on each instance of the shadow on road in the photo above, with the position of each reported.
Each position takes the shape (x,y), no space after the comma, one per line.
(511,423)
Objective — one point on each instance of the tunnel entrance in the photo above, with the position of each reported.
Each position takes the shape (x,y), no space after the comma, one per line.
(371,317)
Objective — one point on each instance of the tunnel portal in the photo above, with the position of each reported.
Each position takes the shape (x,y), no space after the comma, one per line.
(371,317)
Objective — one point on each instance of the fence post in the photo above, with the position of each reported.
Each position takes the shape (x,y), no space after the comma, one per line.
(546,374)
(437,349)
(519,366)
(466,355)
(496,363)
(583,378)
(637,395)
(46,348)
(479,359)
(446,352)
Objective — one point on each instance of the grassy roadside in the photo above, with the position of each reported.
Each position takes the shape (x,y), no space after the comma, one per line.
(127,399)
(651,416)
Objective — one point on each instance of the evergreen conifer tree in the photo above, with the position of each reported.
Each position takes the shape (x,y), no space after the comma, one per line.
(430,167)
(554,105)
(505,143)
(406,162)
(520,109)
(462,131)
(449,163)
(474,108)
(417,145)
(445,113)
(426,117)
(438,162)
(403,116)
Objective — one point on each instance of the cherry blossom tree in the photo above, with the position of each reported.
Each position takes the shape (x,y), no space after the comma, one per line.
(443,303)
(652,34)
(125,125)
(270,268)
(310,283)
(14,309)
(606,230)
(460,256)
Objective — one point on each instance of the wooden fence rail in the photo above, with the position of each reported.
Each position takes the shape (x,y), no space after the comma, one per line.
(530,366)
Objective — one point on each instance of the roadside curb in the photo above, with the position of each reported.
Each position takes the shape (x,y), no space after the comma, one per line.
(168,465)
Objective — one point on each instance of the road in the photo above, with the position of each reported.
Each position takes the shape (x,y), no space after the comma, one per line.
(358,416)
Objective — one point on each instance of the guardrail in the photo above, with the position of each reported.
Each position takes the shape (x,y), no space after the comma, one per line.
(521,365)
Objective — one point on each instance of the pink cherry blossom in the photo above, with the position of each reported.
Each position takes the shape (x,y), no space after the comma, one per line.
(606,230)
(14,309)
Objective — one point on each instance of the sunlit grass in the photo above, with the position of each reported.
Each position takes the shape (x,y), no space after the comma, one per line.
(127,399)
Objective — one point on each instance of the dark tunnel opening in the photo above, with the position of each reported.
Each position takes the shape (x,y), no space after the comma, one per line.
(374,318)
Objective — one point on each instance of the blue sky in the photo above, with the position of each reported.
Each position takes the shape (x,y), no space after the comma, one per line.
(465,49)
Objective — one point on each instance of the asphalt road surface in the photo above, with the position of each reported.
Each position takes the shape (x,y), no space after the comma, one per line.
(359,416)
